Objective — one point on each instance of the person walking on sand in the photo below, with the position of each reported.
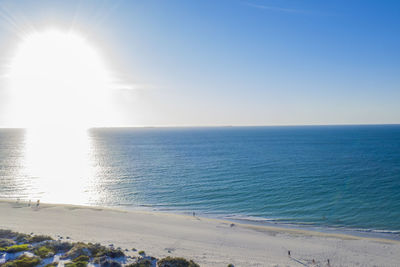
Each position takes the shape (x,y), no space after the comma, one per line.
(37,203)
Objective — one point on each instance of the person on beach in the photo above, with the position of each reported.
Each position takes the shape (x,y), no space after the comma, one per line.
(194,214)
(29,203)
(288,252)
(37,203)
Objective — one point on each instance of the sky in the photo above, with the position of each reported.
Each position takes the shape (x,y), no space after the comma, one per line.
(224,62)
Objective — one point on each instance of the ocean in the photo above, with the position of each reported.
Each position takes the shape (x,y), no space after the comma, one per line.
(332,177)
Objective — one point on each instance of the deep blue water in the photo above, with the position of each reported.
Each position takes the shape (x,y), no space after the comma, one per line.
(335,176)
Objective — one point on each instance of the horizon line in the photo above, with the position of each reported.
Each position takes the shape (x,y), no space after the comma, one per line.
(228,126)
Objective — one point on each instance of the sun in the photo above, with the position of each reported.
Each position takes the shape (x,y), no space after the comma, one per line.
(59,86)
(58,79)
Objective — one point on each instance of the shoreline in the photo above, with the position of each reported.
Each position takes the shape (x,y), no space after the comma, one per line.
(309,229)
(267,224)
(208,241)
(372,234)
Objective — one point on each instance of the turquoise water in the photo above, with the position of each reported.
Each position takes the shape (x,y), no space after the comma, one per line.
(328,176)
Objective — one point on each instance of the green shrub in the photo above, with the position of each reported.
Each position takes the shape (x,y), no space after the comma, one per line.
(105,261)
(58,246)
(93,250)
(176,262)
(81,258)
(22,238)
(141,252)
(76,264)
(39,238)
(141,263)
(8,234)
(44,252)
(114,253)
(15,248)
(77,250)
(6,242)
(23,261)
(230,265)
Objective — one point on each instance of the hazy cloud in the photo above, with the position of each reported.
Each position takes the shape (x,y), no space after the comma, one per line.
(278,9)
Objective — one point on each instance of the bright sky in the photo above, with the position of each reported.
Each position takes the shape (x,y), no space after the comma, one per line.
(184,63)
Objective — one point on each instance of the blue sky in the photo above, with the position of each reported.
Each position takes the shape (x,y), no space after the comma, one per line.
(234,62)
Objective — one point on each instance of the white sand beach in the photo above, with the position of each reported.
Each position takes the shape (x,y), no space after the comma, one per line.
(209,242)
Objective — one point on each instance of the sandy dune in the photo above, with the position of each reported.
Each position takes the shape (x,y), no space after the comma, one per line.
(209,242)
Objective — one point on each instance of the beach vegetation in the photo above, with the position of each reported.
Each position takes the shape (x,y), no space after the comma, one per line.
(93,250)
(7,233)
(23,261)
(105,261)
(21,238)
(176,262)
(81,258)
(141,263)
(6,242)
(113,253)
(44,251)
(230,265)
(39,238)
(98,250)
(15,248)
(18,237)
(77,250)
(80,254)
(76,264)
(58,246)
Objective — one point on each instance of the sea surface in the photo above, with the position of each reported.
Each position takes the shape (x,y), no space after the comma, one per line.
(337,177)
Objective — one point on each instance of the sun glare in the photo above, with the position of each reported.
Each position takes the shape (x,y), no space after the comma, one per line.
(58,86)
(58,79)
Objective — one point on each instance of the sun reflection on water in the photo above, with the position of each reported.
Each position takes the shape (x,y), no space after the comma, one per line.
(60,164)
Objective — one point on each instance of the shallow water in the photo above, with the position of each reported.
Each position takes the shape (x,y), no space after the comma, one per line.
(328,176)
